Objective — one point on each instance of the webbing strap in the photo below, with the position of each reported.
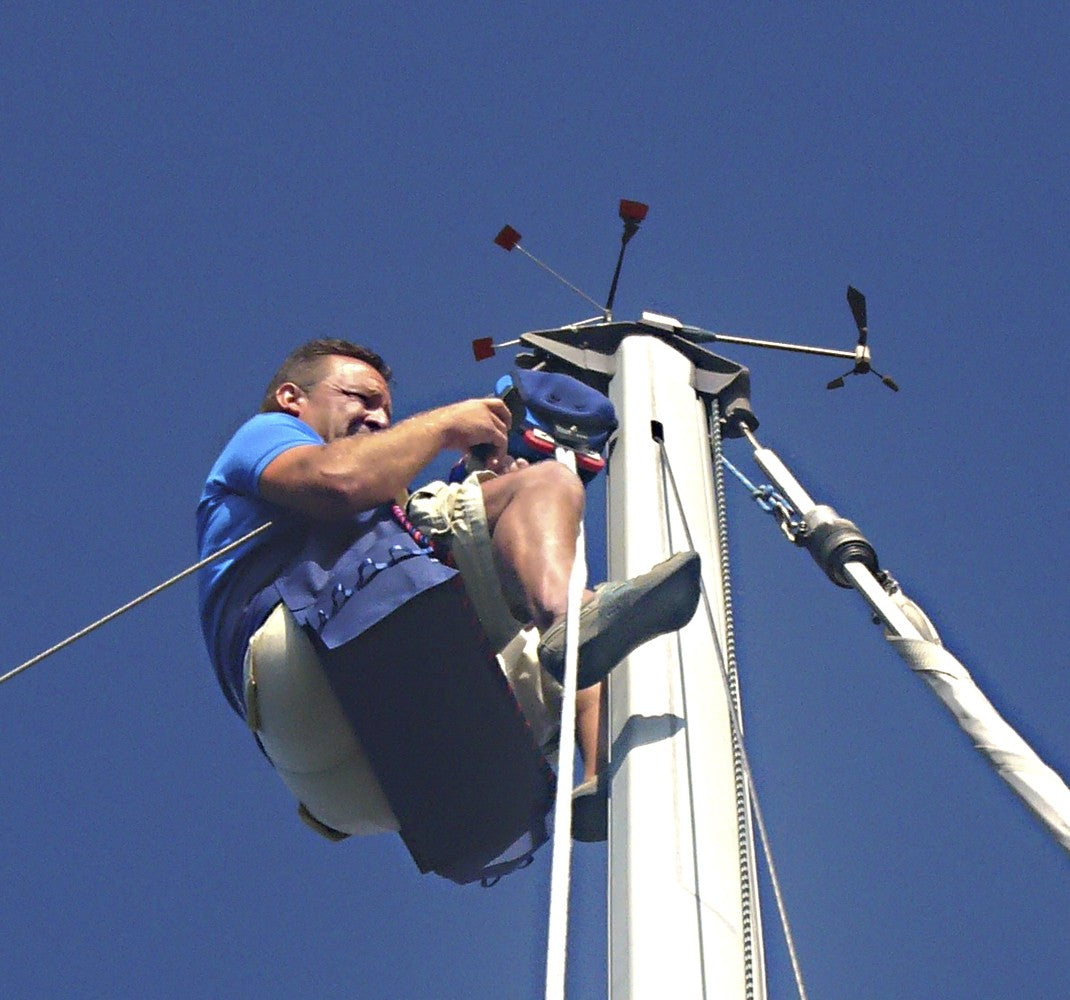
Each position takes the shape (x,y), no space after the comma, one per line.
(560,870)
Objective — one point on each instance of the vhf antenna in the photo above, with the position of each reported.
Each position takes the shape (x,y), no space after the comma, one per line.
(632,214)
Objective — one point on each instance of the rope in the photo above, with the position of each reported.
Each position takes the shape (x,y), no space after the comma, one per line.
(764,496)
(188,571)
(399,515)
(737,740)
(560,873)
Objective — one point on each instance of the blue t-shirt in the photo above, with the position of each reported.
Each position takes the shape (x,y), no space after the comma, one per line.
(337,579)
(231,507)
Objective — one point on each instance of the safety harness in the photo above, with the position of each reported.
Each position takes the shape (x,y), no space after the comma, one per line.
(422,688)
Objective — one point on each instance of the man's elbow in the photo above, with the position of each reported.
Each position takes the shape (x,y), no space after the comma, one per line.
(340,496)
(312,482)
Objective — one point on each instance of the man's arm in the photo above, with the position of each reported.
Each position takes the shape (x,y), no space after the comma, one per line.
(356,473)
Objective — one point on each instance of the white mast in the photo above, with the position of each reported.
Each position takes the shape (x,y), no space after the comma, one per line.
(683,902)
(683,923)
(683,897)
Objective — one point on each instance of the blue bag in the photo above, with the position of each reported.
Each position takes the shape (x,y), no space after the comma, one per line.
(551,409)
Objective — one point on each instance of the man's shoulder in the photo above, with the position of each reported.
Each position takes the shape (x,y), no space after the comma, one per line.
(251,449)
(268,427)
(268,434)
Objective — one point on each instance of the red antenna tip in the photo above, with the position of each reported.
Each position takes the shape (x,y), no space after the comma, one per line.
(632,211)
(482,347)
(507,239)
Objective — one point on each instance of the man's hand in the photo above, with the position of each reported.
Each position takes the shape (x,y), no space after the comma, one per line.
(475,422)
(503,464)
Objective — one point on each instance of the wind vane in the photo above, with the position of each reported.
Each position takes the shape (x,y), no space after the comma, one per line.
(857,301)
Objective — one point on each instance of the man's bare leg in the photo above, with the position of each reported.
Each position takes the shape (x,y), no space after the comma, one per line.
(534,516)
(591,729)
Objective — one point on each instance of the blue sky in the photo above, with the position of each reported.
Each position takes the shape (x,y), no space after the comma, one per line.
(190,190)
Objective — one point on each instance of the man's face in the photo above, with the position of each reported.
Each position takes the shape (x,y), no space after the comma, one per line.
(351,397)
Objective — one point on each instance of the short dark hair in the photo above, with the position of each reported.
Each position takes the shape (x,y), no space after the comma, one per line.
(304,367)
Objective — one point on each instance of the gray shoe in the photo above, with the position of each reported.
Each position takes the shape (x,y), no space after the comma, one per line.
(622,616)
(590,810)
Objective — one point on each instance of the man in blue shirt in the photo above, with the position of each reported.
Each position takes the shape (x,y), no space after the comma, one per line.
(349,550)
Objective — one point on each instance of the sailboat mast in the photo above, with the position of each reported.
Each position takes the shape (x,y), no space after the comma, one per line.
(683,905)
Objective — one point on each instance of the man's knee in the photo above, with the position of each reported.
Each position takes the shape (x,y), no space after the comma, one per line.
(547,482)
(552,480)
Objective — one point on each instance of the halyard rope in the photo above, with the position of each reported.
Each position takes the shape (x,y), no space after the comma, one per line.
(560,869)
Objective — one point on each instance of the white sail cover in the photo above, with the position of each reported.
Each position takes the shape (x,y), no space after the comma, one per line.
(1041,788)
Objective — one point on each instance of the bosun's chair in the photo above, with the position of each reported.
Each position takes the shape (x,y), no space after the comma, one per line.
(425,695)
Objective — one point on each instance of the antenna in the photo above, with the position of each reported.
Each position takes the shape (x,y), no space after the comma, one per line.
(632,212)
